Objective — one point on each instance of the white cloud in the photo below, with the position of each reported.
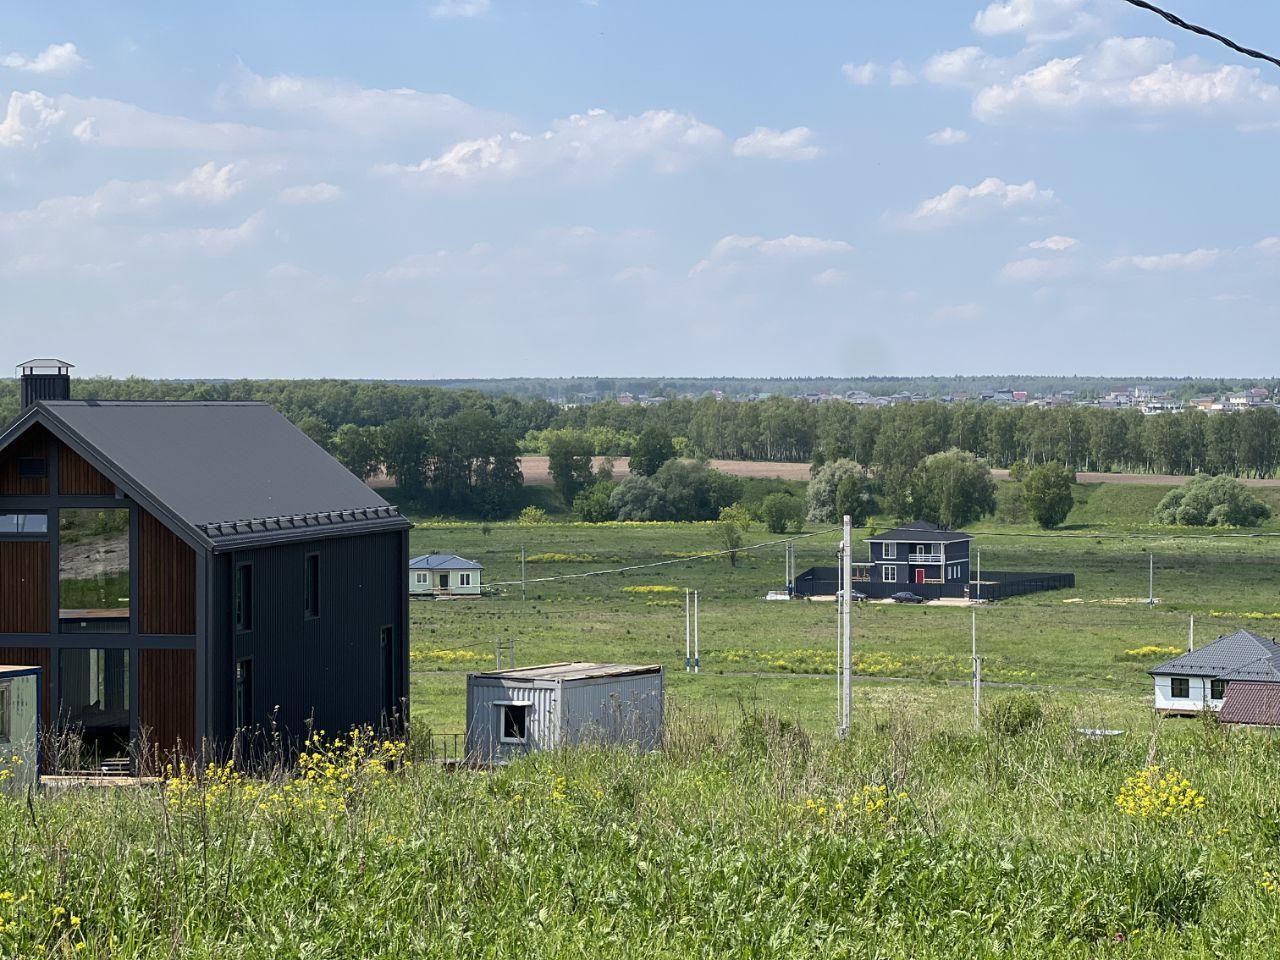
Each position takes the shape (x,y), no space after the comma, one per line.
(860,74)
(310,193)
(829,277)
(595,142)
(368,112)
(58,59)
(1167,262)
(1268,245)
(794,144)
(730,251)
(963,203)
(1133,75)
(1055,243)
(460,8)
(1033,270)
(947,137)
(964,67)
(1037,20)
(30,118)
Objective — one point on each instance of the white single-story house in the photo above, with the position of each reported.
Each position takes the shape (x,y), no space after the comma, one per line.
(1201,679)
(444,575)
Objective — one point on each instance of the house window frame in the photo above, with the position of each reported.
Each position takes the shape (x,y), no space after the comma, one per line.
(502,708)
(1179,683)
(889,550)
(891,574)
(464,579)
(243,693)
(311,586)
(1217,688)
(28,469)
(25,534)
(422,578)
(242,608)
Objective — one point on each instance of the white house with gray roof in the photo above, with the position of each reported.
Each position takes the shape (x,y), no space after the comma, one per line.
(1200,679)
(444,575)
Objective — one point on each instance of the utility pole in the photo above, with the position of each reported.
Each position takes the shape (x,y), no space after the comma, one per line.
(1191,633)
(978,582)
(696,658)
(1151,580)
(977,671)
(846,639)
(522,574)
(688,635)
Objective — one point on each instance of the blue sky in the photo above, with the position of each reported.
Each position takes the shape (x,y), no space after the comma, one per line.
(467,188)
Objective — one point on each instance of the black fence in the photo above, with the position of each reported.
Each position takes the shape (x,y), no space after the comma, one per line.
(1000,585)
(996,585)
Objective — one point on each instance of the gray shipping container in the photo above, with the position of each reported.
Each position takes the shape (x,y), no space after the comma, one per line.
(518,711)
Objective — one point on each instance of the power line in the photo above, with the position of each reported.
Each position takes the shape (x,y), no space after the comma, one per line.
(663,563)
(1177,21)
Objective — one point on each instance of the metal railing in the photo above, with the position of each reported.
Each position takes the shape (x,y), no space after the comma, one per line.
(445,747)
(925,558)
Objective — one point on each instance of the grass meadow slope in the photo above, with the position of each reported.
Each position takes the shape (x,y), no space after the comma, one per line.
(754,832)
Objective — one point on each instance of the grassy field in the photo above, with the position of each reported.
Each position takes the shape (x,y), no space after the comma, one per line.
(912,838)
(782,655)
(753,833)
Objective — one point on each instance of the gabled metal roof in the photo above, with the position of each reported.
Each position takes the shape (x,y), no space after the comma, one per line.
(1224,655)
(922,531)
(1266,670)
(443,561)
(230,473)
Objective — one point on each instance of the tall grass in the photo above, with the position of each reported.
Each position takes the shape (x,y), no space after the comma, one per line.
(742,837)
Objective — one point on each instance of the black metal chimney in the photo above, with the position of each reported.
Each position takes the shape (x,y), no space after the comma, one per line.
(45,380)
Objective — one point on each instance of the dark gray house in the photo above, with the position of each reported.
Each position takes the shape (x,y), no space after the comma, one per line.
(919,553)
(186,570)
(929,561)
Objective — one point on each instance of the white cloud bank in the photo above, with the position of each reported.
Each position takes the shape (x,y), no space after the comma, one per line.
(448,9)
(1169,262)
(1056,243)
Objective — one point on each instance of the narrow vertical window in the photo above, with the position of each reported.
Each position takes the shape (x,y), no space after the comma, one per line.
(244,596)
(312,575)
(244,693)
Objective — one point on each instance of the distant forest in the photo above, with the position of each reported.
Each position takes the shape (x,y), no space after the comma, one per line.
(458,450)
(567,388)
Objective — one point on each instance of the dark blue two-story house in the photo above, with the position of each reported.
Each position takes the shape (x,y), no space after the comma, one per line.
(919,553)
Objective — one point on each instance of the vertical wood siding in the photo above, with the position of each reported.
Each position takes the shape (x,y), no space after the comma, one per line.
(166,580)
(167,702)
(24,586)
(33,657)
(77,478)
(33,443)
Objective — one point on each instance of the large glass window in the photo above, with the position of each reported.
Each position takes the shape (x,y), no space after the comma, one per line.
(95,699)
(93,571)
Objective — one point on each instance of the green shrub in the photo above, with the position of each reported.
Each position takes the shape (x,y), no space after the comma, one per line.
(1014,714)
(1205,501)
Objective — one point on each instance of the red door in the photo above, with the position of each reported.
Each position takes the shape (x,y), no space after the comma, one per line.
(919,575)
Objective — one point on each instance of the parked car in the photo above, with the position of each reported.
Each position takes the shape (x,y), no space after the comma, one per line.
(857,596)
(906,596)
